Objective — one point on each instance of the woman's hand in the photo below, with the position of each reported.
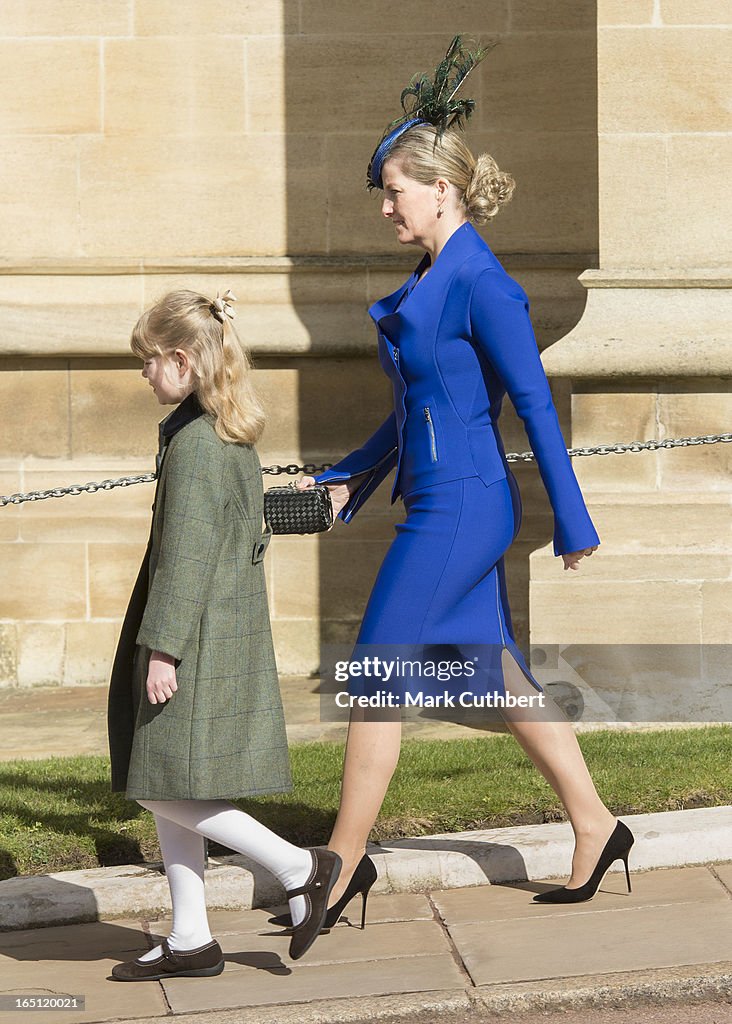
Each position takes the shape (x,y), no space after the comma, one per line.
(339,493)
(161,684)
(571,560)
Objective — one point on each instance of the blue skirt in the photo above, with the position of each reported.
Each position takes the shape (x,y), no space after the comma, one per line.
(442,584)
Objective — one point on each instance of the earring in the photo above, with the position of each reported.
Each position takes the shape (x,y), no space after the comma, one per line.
(439,211)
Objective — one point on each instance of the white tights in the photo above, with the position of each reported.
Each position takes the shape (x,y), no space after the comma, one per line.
(181,825)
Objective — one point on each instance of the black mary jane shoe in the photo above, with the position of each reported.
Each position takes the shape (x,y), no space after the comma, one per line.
(323,876)
(361,882)
(202,962)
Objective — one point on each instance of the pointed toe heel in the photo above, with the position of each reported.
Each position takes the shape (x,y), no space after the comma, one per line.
(616,848)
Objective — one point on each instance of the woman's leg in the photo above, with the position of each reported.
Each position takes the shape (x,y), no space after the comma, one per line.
(183,856)
(221,821)
(550,741)
(372,753)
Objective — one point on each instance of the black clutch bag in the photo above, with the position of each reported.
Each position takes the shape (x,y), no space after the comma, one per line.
(290,510)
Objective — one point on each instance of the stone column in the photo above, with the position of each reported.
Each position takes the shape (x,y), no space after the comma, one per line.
(651,356)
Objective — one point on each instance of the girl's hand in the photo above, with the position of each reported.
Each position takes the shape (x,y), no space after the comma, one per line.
(571,560)
(161,684)
(339,493)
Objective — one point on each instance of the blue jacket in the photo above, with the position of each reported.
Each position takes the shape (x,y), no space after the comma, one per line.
(453,345)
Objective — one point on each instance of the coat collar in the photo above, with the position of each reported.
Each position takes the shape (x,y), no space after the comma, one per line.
(188,410)
(462,243)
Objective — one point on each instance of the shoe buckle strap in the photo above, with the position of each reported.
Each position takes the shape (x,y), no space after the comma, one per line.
(303,890)
(170,955)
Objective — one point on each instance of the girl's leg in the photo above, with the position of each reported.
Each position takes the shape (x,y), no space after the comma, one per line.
(183,856)
(372,753)
(550,741)
(221,821)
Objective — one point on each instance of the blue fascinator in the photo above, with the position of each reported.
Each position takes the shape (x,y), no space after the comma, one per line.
(431,100)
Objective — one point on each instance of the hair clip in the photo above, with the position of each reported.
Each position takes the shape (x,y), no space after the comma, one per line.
(221,305)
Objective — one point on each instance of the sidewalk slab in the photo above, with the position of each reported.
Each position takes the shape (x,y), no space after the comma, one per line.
(448,861)
(486,949)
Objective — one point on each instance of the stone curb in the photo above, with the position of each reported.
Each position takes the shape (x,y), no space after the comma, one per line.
(452,860)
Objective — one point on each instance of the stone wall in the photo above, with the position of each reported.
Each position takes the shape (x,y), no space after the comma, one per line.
(147,144)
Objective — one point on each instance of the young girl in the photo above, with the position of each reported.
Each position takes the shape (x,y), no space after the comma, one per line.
(195,715)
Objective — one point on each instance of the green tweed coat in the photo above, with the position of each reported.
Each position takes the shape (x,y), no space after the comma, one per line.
(200,597)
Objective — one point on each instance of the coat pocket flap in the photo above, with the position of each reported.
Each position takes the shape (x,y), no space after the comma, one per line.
(260,545)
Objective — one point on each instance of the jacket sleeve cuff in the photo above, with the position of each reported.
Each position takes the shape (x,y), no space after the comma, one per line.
(574,538)
(368,485)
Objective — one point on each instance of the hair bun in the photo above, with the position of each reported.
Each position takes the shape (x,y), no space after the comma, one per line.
(488,189)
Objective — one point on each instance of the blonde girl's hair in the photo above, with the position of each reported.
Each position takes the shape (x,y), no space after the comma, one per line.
(426,156)
(221,368)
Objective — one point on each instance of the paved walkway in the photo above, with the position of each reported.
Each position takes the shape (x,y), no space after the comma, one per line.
(487,946)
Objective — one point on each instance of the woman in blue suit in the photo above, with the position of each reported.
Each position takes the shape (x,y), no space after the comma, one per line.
(453,340)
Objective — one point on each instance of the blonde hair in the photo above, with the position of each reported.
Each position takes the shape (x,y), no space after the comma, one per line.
(220,364)
(425,156)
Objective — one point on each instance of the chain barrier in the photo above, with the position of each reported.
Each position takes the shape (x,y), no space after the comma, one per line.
(309,468)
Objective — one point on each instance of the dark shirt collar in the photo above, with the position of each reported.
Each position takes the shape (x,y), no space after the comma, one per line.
(189,409)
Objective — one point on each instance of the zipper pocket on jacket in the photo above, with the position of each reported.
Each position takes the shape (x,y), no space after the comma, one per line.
(431,428)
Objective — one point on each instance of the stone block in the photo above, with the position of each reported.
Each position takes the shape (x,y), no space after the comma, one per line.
(38,210)
(34,398)
(122,514)
(313,76)
(634,226)
(595,611)
(105,395)
(197,85)
(696,12)
(347,574)
(10,483)
(661,81)
(132,194)
(526,85)
(294,593)
(606,564)
(69,314)
(113,569)
(554,205)
(322,17)
(40,653)
(355,221)
(341,403)
(8,654)
(694,414)
(78,18)
(49,86)
(43,581)
(645,184)
(624,12)
(296,643)
(615,417)
(90,648)
(211,17)
(716,596)
(699,237)
(686,522)
(560,15)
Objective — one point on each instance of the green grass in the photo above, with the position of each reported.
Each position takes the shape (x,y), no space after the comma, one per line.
(59,813)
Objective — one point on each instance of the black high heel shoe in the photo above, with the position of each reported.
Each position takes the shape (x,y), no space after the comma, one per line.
(616,848)
(361,881)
